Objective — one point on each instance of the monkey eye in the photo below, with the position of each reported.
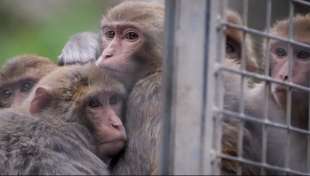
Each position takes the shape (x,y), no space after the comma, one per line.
(94,103)
(302,54)
(114,99)
(6,93)
(280,52)
(132,36)
(26,86)
(109,34)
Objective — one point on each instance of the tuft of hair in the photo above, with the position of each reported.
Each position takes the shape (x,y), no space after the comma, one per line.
(83,47)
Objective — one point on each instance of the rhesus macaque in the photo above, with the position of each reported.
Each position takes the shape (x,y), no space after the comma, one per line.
(277,146)
(232,85)
(132,43)
(19,75)
(81,48)
(71,125)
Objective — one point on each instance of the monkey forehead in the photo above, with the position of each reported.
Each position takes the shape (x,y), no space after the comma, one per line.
(143,13)
(26,66)
(78,79)
(301,28)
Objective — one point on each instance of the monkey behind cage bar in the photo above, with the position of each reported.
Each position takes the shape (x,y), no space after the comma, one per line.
(192,90)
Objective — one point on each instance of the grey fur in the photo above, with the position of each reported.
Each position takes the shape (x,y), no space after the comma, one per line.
(81,48)
(46,146)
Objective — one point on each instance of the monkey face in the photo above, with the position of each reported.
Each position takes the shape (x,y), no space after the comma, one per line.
(86,95)
(103,112)
(122,45)
(13,93)
(300,59)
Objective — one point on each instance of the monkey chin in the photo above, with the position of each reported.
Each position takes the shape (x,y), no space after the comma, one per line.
(279,94)
(111,148)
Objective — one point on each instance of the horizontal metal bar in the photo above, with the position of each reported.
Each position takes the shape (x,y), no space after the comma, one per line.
(264,34)
(257,120)
(222,68)
(259,164)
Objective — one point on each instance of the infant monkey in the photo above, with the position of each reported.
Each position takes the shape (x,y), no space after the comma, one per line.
(71,125)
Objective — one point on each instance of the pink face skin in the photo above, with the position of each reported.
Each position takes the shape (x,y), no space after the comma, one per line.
(103,113)
(121,43)
(280,68)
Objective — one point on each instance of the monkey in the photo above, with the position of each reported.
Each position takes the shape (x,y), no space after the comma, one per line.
(232,85)
(19,75)
(69,124)
(132,42)
(143,121)
(81,48)
(278,149)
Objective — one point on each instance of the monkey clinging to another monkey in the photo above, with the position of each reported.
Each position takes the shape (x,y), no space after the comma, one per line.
(69,124)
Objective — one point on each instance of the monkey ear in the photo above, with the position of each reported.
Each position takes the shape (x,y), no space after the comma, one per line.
(41,99)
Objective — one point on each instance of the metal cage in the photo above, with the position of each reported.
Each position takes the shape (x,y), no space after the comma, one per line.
(193,109)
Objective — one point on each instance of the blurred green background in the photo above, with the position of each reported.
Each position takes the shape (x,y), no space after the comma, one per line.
(43,26)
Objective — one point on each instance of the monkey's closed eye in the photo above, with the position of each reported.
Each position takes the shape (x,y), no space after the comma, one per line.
(303,55)
(26,86)
(230,48)
(132,36)
(280,52)
(109,34)
(114,99)
(94,102)
(6,93)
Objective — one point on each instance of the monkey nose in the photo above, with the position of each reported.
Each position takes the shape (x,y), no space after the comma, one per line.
(284,77)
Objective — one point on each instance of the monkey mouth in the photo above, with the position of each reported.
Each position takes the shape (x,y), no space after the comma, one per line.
(112,141)
(278,92)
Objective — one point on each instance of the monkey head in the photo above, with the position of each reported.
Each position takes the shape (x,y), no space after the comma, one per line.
(235,39)
(19,75)
(282,52)
(132,40)
(86,95)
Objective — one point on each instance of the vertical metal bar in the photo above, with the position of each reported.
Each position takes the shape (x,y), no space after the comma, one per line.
(219,54)
(308,144)
(289,92)
(166,159)
(209,158)
(267,92)
(187,94)
(242,83)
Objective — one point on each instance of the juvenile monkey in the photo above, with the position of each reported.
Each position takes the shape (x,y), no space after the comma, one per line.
(68,125)
(19,75)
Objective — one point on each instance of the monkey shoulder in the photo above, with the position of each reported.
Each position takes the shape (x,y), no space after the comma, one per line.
(146,90)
